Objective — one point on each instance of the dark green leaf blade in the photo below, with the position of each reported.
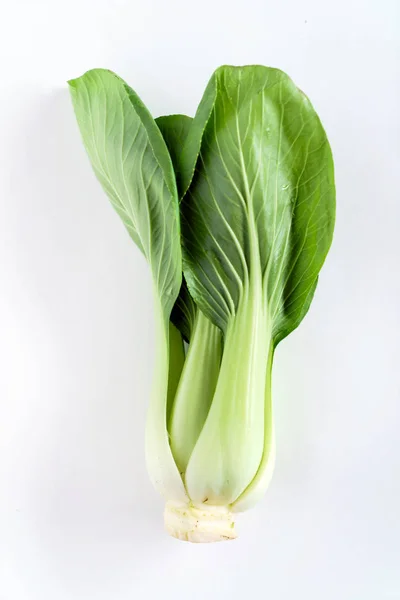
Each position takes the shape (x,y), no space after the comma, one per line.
(262,197)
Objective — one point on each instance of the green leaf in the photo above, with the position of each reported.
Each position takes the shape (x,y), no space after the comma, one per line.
(188,158)
(257,221)
(131,161)
(262,196)
(175,129)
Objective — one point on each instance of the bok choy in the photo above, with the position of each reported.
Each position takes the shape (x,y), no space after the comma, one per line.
(241,201)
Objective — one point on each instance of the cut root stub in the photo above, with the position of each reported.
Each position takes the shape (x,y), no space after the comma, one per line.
(199,524)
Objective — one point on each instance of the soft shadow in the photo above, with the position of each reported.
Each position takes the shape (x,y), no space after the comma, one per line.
(89,291)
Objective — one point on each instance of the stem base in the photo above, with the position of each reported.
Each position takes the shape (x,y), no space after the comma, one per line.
(199,524)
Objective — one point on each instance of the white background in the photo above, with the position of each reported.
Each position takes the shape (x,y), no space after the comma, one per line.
(78,517)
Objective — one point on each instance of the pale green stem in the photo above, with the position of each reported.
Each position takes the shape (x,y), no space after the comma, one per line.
(176,362)
(257,488)
(229,450)
(196,389)
(161,466)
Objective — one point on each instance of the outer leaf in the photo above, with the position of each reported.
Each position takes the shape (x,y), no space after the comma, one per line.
(131,161)
(264,173)
(257,222)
